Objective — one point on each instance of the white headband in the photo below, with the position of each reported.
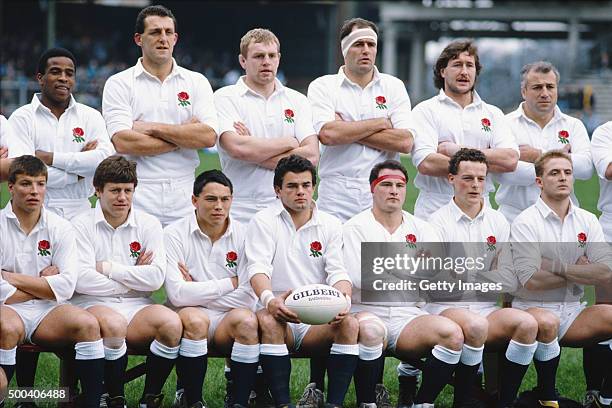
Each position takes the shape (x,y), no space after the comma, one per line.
(353,37)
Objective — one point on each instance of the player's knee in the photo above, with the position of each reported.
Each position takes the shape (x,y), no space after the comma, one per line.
(348,329)
(246,326)
(269,325)
(171,329)
(11,330)
(195,324)
(526,329)
(85,326)
(475,331)
(548,326)
(450,335)
(371,332)
(114,326)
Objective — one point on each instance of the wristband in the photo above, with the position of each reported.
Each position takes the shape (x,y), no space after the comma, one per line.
(265,297)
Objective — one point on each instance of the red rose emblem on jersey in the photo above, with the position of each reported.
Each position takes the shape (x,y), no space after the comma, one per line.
(491,241)
(380,102)
(411,240)
(183,98)
(582,239)
(43,248)
(135,249)
(77,135)
(315,249)
(486,124)
(563,137)
(230,259)
(289,116)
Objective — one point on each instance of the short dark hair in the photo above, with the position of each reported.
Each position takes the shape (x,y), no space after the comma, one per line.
(387,164)
(543,67)
(465,154)
(115,169)
(549,155)
(348,25)
(157,10)
(294,164)
(27,165)
(211,176)
(452,51)
(51,53)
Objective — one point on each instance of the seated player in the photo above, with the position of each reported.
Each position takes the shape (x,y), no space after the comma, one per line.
(571,252)
(121,261)
(38,249)
(288,245)
(206,281)
(404,328)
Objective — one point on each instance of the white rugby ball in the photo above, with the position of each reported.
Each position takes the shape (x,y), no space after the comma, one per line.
(316,304)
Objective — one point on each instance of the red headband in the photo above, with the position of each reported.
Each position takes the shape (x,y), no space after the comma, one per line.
(386,176)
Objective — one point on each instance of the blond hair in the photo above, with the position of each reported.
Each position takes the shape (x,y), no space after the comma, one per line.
(257,35)
(552,154)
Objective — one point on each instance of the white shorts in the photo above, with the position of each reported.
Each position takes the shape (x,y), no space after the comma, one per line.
(395,319)
(298,330)
(125,306)
(214,317)
(481,309)
(167,200)
(344,197)
(566,312)
(243,210)
(70,208)
(32,313)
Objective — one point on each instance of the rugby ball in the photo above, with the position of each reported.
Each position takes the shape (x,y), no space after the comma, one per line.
(316,304)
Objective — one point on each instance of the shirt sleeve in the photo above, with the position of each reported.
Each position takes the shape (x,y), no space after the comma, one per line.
(116,106)
(598,250)
(260,247)
(526,254)
(425,136)
(90,281)
(581,152)
(334,257)
(524,175)
(303,120)
(21,141)
(181,292)
(204,105)
(322,103)
(227,111)
(146,278)
(503,138)
(351,250)
(85,163)
(4,131)
(601,148)
(400,115)
(6,290)
(63,283)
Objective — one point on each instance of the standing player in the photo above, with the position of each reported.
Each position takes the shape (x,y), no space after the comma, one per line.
(69,137)
(362,117)
(404,328)
(206,279)
(456,118)
(290,244)
(121,262)
(593,360)
(570,252)
(467,219)
(539,126)
(261,121)
(38,249)
(159,114)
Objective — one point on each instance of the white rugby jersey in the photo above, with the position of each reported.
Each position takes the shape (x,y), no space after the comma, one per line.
(211,265)
(290,258)
(517,189)
(285,113)
(363,227)
(135,95)
(4,131)
(601,145)
(97,241)
(580,233)
(441,119)
(51,242)
(384,97)
(34,127)
(6,290)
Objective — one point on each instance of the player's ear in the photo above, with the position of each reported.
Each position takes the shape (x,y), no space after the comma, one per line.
(277,191)
(242,61)
(138,39)
(194,200)
(538,181)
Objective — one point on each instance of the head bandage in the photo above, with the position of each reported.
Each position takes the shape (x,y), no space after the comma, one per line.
(354,36)
(385,177)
